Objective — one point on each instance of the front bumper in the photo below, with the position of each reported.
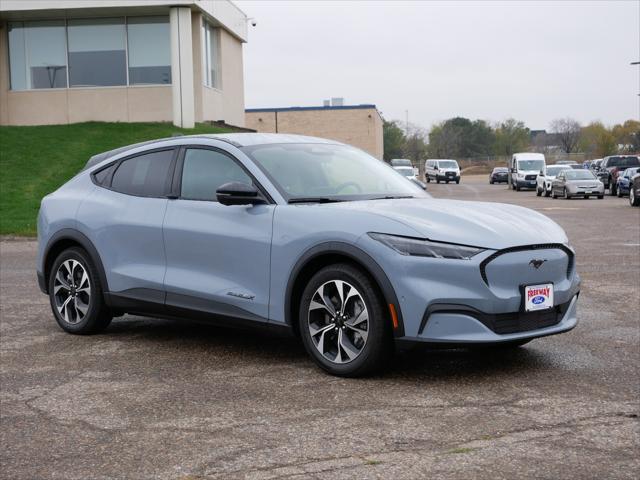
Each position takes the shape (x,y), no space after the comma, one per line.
(480,300)
(526,183)
(451,178)
(599,190)
(458,325)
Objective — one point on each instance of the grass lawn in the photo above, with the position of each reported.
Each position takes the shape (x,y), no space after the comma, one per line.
(35,161)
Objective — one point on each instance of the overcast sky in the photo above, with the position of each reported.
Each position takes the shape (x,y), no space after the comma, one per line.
(490,60)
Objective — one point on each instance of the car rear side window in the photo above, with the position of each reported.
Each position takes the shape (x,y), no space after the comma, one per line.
(145,175)
(204,171)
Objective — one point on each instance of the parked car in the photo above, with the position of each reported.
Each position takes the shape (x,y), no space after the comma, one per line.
(407,172)
(524,169)
(442,170)
(623,181)
(613,165)
(634,190)
(499,175)
(595,165)
(404,162)
(299,235)
(571,183)
(576,166)
(544,180)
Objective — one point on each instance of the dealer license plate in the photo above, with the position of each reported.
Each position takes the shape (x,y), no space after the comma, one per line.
(538,297)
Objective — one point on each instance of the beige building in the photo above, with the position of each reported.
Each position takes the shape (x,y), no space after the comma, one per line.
(68,61)
(357,125)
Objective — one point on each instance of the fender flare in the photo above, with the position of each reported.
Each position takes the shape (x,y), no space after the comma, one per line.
(360,257)
(85,242)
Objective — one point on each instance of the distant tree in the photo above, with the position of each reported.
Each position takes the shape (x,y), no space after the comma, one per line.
(627,136)
(415,144)
(459,137)
(511,136)
(568,131)
(597,141)
(394,140)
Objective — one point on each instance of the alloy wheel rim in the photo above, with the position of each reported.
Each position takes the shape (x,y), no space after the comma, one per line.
(72,291)
(338,321)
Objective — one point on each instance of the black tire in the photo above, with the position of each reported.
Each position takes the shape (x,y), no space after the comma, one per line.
(612,189)
(97,316)
(517,188)
(600,197)
(378,346)
(619,192)
(565,194)
(634,200)
(458,182)
(547,192)
(490,182)
(538,192)
(428,179)
(437,180)
(446,181)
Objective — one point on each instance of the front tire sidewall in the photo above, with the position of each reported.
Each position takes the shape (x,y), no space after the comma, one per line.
(96,317)
(378,344)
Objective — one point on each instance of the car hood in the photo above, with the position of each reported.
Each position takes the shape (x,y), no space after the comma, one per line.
(582,183)
(528,172)
(482,224)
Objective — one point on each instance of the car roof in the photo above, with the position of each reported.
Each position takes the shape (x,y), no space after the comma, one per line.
(528,156)
(236,139)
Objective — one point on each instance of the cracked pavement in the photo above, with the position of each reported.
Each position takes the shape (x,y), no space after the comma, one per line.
(176,400)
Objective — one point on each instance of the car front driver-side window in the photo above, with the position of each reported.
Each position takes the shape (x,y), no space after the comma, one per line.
(204,171)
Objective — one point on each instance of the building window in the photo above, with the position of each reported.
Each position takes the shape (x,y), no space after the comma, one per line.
(97,56)
(90,52)
(211,52)
(149,50)
(37,55)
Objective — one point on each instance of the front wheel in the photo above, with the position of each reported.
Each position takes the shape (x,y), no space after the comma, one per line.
(75,294)
(538,191)
(619,192)
(566,194)
(634,200)
(428,179)
(343,322)
(547,191)
(458,182)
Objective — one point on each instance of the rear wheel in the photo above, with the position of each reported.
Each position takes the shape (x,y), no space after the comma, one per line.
(343,323)
(619,192)
(458,182)
(428,179)
(612,189)
(538,191)
(75,294)
(565,193)
(547,191)
(437,180)
(634,200)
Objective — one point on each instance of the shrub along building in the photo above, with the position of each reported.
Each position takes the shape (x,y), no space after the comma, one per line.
(121,61)
(357,125)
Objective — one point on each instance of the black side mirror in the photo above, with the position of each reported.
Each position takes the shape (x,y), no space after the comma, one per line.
(237,193)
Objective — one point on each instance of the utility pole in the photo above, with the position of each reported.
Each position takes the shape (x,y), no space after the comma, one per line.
(635,63)
(406,116)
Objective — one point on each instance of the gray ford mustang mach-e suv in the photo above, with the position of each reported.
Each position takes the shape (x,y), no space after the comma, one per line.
(303,235)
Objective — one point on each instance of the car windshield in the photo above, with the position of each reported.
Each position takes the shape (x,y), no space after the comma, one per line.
(623,162)
(401,162)
(531,165)
(447,164)
(325,172)
(630,172)
(406,171)
(553,171)
(579,175)
(500,169)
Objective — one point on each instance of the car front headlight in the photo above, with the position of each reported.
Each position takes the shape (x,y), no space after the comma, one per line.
(521,175)
(420,247)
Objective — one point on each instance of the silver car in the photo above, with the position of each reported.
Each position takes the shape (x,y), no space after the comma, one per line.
(572,183)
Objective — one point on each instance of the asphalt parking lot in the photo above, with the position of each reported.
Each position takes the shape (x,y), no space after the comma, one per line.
(164,399)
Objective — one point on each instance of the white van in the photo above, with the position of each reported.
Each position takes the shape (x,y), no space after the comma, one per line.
(524,169)
(442,169)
